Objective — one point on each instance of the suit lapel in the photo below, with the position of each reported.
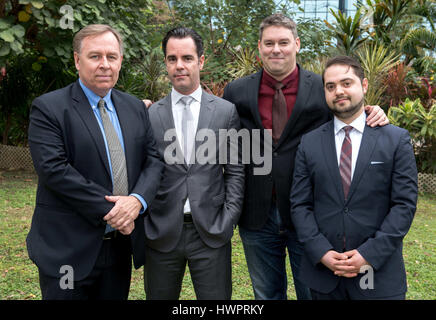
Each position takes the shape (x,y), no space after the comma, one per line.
(304,89)
(81,104)
(167,120)
(252,96)
(207,110)
(329,151)
(166,113)
(369,140)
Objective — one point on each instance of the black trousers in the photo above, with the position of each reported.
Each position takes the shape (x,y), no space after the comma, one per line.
(347,291)
(108,280)
(210,269)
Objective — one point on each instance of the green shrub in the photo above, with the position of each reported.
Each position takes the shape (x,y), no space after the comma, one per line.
(421,124)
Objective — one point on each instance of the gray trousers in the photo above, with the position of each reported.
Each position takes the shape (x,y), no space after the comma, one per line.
(210,269)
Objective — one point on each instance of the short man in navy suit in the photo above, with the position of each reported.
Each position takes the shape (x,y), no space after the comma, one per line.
(354,196)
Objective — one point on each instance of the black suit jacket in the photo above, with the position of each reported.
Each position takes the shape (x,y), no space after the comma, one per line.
(374,219)
(310,111)
(70,159)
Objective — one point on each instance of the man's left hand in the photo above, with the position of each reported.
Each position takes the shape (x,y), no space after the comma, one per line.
(351,267)
(376,116)
(128,230)
(124,213)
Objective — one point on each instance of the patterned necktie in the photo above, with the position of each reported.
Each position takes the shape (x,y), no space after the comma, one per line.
(279,112)
(116,153)
(345,161)
(187,126)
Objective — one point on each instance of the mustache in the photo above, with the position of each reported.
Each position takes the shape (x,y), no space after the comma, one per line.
(341,98)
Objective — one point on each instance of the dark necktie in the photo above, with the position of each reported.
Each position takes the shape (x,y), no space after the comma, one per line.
(345,161)
(116,153)
(279,112)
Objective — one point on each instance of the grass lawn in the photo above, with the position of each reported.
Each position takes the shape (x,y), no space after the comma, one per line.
(19,276)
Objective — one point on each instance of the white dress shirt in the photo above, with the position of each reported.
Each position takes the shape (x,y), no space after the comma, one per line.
(177,110)
(355,135)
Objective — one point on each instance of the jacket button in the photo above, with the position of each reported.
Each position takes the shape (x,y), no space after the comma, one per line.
(346,209)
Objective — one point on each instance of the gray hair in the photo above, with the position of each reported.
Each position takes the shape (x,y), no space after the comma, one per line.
(94,30)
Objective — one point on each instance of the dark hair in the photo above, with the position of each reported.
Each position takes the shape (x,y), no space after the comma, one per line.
(278,20)
(345,61)
(180,33)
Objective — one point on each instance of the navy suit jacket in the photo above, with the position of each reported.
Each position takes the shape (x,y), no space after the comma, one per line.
(70,159)
(375,217)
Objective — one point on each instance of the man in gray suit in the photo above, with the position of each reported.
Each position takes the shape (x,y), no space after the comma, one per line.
(200,197)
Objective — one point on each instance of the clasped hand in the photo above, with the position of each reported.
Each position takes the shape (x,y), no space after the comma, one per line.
(345,264)
(122,216)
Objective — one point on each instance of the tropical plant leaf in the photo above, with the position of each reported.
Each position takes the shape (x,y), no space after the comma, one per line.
(376,60)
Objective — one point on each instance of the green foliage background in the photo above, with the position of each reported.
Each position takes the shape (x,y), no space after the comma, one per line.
(395,40)
(36,57)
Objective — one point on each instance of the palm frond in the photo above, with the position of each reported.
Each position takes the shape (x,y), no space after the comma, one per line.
(376,60)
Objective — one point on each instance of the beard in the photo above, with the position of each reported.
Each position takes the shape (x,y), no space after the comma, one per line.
(347,112)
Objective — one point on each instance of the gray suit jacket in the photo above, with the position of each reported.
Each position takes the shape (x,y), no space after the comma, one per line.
(215,189)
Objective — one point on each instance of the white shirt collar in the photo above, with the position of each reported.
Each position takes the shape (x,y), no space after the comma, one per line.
(175,95)
(358,123)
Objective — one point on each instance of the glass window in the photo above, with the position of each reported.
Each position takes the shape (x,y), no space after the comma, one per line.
(321,8)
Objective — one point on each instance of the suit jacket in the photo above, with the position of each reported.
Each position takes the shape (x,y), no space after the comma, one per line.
(310,111)
(70,159)
(215,189)
(374,219)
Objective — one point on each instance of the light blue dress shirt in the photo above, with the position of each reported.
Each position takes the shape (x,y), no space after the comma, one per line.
(93,101)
